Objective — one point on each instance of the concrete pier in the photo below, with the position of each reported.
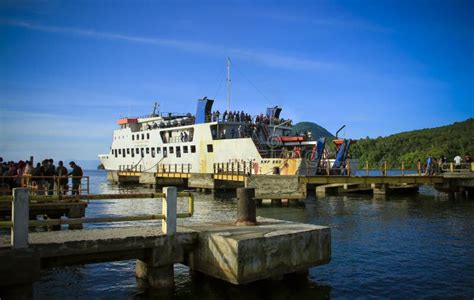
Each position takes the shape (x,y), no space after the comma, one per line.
(295,187)
(276,187)
(225,250)
(273,248)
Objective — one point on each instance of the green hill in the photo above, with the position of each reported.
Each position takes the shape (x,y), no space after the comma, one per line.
(316,130)
(451,140)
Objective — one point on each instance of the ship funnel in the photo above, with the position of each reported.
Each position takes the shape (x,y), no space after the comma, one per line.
(273,112)
(204,110)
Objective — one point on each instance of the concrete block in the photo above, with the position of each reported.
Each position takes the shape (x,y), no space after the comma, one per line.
(147,178)
(244,254)
(276,187)
(156,277)
(203,181)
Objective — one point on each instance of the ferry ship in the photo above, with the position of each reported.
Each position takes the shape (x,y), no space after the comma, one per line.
(208,141)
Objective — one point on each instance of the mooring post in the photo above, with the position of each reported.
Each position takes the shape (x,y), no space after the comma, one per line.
(20,218)
(156,268)
(169,210)
(246,211)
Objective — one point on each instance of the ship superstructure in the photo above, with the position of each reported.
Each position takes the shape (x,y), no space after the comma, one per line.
(199,142)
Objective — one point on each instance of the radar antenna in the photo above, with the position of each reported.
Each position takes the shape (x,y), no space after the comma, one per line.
(228,83)
(157,106)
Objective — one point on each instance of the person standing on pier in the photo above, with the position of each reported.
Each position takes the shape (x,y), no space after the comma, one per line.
(467,158)
(50,172)
(61,172)
(457,162)
(429,165)
(76,178)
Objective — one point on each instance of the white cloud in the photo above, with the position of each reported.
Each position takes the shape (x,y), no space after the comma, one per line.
(270,58)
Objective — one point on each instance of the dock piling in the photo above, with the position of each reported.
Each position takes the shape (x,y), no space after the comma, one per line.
(20,218)
(246,209)
(169,210)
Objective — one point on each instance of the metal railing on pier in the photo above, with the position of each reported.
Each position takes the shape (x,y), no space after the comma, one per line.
(46,185)
(385,168)
(165,196)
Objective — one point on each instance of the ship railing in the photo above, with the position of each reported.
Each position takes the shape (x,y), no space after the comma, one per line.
(234,168)
(174,168)
(46,185)
(130,168)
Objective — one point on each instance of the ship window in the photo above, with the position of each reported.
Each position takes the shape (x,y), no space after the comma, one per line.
(119,151)
(148,136)
(133,137)
(143,152)
(193,149)
(143,136)
(158,150)
(178,151)
(138,150)
(152,152)
(171,150)
(123,152)
(133,153)
(147,150)
(138,136)
(185,149)
(128,150)
(115,152)
(165,152)
(210,148)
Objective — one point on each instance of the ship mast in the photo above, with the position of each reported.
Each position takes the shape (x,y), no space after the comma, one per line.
(228,84)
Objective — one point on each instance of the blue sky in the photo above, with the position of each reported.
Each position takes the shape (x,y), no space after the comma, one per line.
(69,69)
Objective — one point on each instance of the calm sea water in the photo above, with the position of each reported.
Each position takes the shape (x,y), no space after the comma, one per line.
(418,246)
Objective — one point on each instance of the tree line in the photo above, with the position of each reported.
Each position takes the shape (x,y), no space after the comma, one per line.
(411,146)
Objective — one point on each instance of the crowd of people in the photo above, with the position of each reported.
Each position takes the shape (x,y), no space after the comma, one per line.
(45,177)
(435,166)
(235,116)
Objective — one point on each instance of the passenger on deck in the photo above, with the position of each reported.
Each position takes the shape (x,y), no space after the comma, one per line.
(224,116)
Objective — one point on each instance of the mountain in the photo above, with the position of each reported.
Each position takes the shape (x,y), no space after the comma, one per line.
(450,140)
(316,130)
